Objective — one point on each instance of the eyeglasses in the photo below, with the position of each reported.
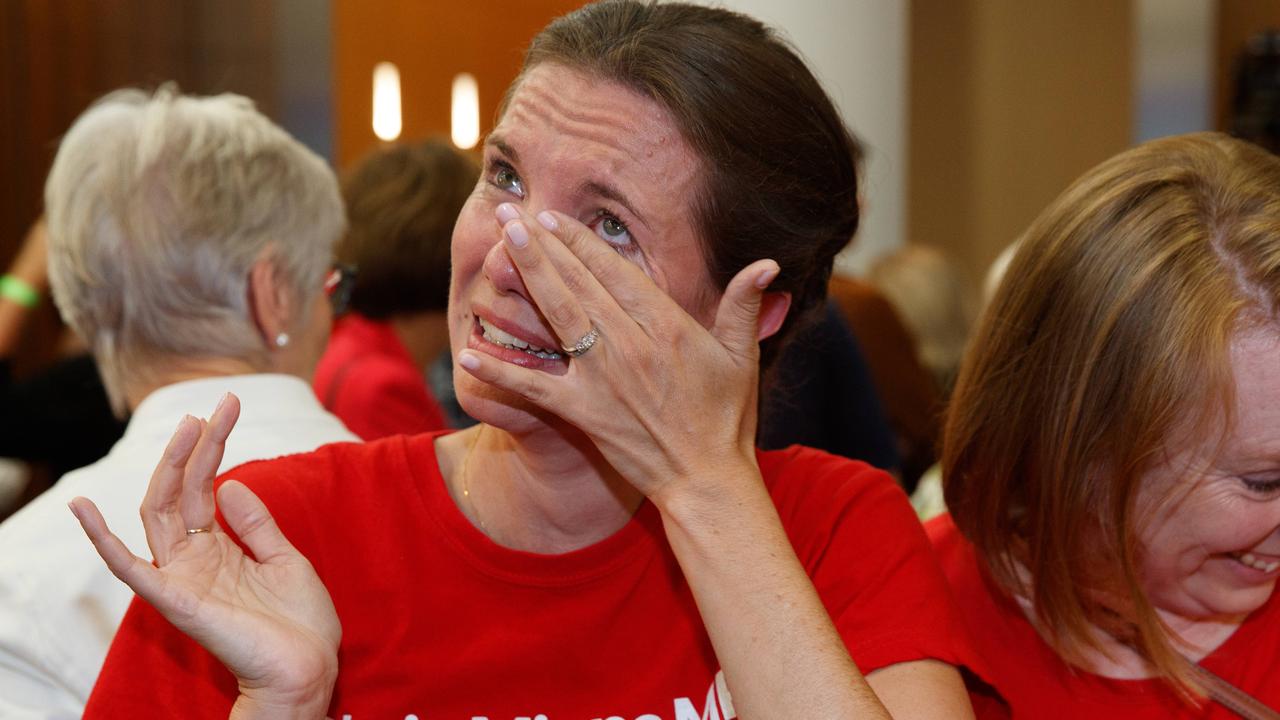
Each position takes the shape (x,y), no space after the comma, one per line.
(338,285)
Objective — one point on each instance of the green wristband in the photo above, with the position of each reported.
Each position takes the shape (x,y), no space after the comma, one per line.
(19,291)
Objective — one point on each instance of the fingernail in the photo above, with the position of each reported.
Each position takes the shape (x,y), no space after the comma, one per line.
(517,233)
(222,402)
(468,360)
(766,277)
(547,220)
(507,212)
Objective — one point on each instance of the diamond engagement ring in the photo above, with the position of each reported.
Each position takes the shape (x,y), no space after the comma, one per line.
(584,344)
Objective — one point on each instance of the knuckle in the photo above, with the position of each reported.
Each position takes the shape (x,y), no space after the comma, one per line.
(561,314)
(574,279)
(533,392)
(530,259)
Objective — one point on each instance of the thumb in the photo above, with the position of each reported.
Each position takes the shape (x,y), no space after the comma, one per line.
(738,316)
(250,520)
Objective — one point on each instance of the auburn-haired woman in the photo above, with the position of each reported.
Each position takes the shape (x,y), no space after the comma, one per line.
(1112,451)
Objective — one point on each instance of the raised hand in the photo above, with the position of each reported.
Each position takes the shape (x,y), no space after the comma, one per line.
(659,394)
(268,618)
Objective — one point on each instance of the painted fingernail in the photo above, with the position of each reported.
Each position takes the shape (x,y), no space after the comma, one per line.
(766,277)
(517,233)
(547,220)
(507,212)
(468,360)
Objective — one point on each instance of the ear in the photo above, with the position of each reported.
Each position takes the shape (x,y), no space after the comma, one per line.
(773,310)
(270,303)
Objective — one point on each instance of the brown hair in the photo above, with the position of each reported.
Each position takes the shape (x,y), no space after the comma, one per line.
(1107,341)
(780,167)
(402,202)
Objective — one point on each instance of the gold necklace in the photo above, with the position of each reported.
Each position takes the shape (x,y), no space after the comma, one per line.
(466,481)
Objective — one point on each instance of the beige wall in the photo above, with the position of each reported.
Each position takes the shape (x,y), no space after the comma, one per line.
(1009,102)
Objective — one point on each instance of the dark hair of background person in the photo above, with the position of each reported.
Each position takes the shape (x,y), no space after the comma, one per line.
(780,167)
(402,202)
(1255,108)
(823,396)
(1112,345)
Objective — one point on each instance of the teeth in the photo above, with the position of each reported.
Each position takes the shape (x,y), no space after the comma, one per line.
(507,340)
(1254,562)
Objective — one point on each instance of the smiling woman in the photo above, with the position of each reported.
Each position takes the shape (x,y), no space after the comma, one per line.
(1112,452)
(607,542)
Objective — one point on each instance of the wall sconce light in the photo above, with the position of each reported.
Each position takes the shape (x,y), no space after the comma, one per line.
(386,101)
(465,111)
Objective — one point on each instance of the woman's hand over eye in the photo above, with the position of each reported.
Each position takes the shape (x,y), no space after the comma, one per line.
(268,618)
(662,397)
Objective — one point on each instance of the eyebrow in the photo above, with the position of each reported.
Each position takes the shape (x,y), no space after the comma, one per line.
(609,192)
(588,187)
(496,141)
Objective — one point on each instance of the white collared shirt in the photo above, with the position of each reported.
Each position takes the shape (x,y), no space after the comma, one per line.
(59,605)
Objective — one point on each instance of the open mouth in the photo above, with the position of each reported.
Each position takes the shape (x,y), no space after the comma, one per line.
(1255,562)
(511,342)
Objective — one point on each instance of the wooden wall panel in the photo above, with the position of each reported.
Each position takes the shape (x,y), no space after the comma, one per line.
(430,42)
(57,56)
(1010,102)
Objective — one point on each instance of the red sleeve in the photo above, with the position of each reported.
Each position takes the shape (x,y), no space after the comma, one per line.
(857,536)
(378,398)
(147,649)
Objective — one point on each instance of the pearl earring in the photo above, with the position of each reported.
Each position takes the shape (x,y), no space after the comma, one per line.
(282,339)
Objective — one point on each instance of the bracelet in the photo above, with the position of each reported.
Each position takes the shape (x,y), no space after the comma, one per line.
(19,291)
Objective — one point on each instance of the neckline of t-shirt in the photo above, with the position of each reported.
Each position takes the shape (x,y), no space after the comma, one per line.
(1127,691)
(637,541)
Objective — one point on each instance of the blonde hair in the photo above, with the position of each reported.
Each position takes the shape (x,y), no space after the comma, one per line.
(158,205)
(932,296)
(1109,338)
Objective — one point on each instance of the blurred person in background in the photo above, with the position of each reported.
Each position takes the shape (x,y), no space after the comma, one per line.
(401,202)
(58,418)
(932,297)
(189,242)
(907,391)
(822,395)
(1255,105)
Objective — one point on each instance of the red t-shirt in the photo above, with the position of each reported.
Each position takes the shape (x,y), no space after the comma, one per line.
(368,379)
(1036,683)
(439,622)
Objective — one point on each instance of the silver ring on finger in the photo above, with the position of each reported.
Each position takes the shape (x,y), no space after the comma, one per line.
(585,343)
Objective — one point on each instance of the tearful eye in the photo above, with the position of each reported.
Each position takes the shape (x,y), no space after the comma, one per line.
(504,178)
(613,230)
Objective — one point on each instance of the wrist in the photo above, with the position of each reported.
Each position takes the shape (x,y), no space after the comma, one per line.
(712,492)
(300,700)
(254,705)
